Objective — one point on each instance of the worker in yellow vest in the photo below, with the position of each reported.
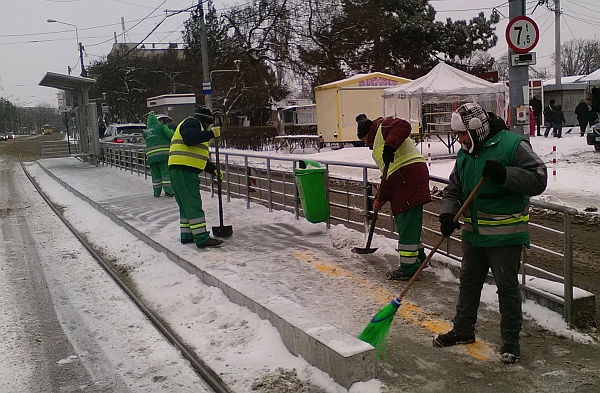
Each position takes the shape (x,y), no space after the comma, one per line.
(189,156)
(406,186)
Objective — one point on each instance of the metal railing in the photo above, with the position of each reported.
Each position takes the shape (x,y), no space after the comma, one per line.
(269,180)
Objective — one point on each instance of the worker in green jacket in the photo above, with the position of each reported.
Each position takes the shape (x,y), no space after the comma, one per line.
(158,140)
(189,156)
(495,223)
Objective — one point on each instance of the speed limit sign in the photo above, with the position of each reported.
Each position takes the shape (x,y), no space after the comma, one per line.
(522,34)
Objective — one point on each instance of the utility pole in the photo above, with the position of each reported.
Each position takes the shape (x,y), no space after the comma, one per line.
(518,78)
(557,68)
(83,71)
(204,52)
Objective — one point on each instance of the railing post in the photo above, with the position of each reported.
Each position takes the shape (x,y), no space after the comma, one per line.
(247,171)
(296,194)
(227,180)
(366,198)
(269,187)
(568,268)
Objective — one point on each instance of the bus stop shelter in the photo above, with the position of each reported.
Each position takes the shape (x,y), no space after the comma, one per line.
(86,113)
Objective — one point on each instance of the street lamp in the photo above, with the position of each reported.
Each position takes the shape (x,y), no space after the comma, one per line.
(79,46)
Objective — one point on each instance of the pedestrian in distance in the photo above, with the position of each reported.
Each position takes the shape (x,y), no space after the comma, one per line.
(532,122)
(548,109)
(558,121)
(495,223)
(189,155)
(583,111)
(158,139)
(536,105)
(406,186)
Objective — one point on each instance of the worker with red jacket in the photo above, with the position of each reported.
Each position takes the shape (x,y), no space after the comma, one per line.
(406,186)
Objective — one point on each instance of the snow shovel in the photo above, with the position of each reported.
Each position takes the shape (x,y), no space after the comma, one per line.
(221,230)
(367,249)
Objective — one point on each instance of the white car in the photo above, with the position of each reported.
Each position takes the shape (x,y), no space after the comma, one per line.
(124,133)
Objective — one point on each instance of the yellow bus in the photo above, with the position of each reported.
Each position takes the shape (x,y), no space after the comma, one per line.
(47,129)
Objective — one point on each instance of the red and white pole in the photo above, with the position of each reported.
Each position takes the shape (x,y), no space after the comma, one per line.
(553,162)
(429,153)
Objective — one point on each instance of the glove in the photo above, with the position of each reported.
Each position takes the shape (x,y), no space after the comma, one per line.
(388,154)
(377,204)
(495,171)
(447,224)
(218,175)
(216,131)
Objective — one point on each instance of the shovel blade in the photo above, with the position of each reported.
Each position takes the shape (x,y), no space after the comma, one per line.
(363,250)
(222,231)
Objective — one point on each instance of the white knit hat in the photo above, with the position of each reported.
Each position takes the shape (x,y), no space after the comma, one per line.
(472,118)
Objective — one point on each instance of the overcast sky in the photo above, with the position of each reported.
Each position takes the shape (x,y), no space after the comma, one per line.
(31,46)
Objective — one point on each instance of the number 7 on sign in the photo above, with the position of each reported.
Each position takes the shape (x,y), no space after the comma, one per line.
(522,34)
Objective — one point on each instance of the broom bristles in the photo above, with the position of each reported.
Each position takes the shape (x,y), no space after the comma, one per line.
(377,330)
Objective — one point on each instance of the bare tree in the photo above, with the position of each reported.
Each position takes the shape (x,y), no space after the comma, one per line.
(580,57)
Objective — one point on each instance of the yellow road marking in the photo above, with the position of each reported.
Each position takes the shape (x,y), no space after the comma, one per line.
(480,350)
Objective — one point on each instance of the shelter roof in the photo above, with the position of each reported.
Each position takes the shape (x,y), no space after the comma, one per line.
(66,82)
(445,79)
(373,79)
(593,77)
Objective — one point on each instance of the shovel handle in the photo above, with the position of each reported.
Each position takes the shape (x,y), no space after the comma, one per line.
(441,240)
(218,165)
(375,209)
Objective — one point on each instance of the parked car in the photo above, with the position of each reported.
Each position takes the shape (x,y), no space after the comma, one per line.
(124,133)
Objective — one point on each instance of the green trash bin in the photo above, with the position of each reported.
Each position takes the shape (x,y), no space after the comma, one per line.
(310,180)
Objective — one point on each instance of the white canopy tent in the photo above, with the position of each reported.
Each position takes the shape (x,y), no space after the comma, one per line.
(431,98)
(593,78)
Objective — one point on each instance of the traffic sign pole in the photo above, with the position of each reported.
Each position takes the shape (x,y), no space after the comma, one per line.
(522,35)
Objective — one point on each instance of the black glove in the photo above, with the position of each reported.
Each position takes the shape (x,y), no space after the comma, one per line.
(210,168)
(447,224)
(495,171)
(388,154)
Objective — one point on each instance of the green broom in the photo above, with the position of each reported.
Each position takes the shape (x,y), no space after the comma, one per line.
(377,330)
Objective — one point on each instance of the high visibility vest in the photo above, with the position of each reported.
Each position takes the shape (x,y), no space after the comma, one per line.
(193,156)
(406,154)
(496,216)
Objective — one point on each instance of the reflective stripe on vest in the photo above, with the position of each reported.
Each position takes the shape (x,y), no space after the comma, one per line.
(157,150)
(492,224)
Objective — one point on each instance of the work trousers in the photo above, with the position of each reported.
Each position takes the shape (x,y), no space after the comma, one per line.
(409,224)
(549,126)
(583,123)
(192,224)
(161,180)
(504,262)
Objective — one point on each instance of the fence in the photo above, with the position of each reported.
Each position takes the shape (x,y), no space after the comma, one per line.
(269,180)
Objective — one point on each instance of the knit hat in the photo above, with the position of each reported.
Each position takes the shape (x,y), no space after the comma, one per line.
(364,125)
(204,115)
(472,118)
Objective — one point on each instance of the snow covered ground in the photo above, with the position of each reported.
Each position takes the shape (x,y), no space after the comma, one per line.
(233,339)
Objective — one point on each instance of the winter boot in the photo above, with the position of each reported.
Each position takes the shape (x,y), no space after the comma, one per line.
(398,274)
(510,354)
(210,242)
(452,338)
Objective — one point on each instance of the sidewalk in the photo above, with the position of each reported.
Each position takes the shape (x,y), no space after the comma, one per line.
(304,279)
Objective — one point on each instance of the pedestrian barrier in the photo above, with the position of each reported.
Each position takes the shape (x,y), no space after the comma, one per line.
(271,181)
